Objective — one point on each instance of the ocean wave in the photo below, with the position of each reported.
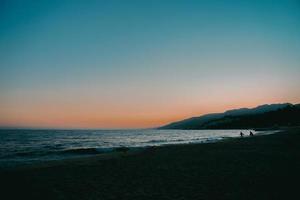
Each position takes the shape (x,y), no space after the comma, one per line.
(166,141)
(78,151)
(156,141)
(81,151)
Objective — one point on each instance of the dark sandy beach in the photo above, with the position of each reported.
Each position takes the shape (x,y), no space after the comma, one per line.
(260,167)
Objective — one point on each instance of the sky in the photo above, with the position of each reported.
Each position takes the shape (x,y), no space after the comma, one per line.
(140,64)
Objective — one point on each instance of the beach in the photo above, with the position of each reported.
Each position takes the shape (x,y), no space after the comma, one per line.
(259,167)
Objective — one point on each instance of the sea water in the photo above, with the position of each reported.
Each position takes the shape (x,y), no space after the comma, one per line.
(27,146)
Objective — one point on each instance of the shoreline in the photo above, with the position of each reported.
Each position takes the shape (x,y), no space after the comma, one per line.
(259,167)
(117,152)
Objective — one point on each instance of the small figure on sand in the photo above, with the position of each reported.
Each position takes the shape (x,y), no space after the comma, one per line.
(251,134)
(241,134)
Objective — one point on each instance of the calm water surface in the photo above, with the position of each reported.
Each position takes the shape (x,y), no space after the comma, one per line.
(27,146)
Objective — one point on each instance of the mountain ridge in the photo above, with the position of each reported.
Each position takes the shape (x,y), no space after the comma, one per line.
(212,120)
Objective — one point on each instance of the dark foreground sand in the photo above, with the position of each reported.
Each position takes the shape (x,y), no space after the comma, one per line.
(261,167)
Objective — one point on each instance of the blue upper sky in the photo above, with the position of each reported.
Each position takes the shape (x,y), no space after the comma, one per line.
(149,61)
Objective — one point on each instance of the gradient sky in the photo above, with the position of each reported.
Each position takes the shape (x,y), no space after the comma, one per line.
(137,64)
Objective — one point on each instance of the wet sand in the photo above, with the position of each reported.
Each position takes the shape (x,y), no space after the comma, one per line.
(259,167)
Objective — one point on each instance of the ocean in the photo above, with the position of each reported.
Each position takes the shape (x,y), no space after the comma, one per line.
(19,147)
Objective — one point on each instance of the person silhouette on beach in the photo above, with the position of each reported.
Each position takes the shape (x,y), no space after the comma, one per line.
(251,134)
(241,134)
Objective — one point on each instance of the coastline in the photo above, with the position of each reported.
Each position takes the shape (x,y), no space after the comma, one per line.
(260,167)
(16,154)
(84,154)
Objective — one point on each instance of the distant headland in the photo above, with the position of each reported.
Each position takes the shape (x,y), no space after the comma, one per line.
(260,117)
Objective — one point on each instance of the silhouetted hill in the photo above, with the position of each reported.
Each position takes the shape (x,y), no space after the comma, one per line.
(264,116)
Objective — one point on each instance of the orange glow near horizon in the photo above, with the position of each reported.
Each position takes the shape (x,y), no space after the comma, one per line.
(94,116)
(139,108)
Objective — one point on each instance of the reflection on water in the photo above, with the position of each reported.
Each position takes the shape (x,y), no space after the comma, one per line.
(36,145)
